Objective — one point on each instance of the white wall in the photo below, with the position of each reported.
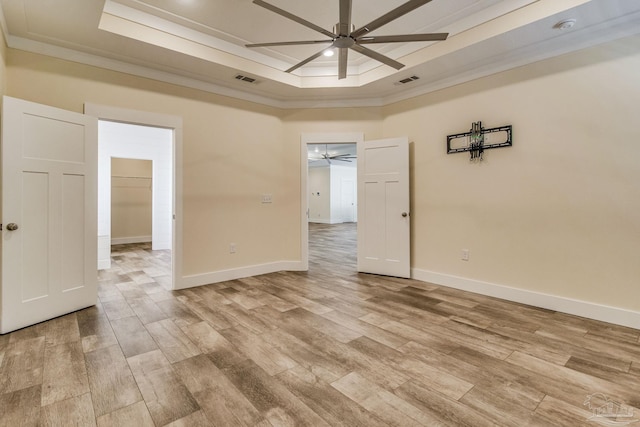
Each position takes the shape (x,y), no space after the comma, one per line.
(326,186)
(135,142)
(320,194)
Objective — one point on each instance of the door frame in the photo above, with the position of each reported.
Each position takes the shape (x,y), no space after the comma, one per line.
(144,118)
(315,138)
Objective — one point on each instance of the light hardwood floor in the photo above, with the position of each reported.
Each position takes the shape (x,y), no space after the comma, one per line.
(324,347)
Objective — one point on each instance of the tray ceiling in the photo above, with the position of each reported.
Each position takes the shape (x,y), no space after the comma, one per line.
(200,43)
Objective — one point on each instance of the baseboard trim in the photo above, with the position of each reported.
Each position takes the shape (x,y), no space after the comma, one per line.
(238,273)
(618,316)
(127,240)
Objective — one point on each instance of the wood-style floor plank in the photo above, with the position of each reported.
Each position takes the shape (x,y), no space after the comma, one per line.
(325,347)
(164,393)
(132,415)
(110,380)
(95,330)
(445,410)
(132,336)
(274,401)
(172,341)
(382,403)
(61,330)
(214,392)
(22,365)
(197,419)
(65,374)
(268,357)
(326,401)
(21,407)
(76,411)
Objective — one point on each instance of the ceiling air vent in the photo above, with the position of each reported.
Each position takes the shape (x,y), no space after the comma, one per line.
(407,80)
(246,79)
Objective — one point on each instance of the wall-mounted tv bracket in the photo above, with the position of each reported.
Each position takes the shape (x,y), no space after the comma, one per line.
(477,140)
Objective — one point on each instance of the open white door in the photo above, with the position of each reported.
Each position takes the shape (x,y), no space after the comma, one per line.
(383,207)
(49,213)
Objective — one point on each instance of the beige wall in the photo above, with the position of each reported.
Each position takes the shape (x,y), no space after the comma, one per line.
(3,80)
(233,151)
(3,64)
(557,213)
(131,198)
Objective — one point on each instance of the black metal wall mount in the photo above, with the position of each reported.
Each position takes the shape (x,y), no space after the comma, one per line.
(475,140)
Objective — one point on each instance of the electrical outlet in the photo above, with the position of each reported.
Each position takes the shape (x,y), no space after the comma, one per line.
(267,198)
(465,254)
(232,248)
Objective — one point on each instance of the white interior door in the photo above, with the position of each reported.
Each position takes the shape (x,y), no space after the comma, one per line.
(383,207)
(49,213)
(348,200)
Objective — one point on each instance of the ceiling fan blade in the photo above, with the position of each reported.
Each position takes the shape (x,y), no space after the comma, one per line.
(404,38)
(287,43)
(294,18)
(344,26)
(342,63)
(342,160)
(377,56)
(306,61)
(388,17)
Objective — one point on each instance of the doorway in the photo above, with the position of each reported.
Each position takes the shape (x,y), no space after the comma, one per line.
(140,145)
(316,207)
(146,136)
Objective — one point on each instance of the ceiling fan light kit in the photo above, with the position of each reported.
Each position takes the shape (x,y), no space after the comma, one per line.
(346,36)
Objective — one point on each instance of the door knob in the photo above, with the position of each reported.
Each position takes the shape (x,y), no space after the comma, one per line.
(12,226)
(404,214)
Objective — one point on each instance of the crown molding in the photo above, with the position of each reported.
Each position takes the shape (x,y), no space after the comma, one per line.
(625,26)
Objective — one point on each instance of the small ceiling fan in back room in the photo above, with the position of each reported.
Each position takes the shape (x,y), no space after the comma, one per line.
(344,36)
(328,157)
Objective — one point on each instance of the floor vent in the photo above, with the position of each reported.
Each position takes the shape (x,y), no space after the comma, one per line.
(246,79)
(407,80)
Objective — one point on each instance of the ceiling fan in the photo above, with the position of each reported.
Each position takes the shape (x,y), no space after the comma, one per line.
(328,157)
(345,36)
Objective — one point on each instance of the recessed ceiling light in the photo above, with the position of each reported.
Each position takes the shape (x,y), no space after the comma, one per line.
(328,52)
(565,24)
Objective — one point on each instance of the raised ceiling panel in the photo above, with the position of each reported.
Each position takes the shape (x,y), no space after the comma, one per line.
(200,43)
